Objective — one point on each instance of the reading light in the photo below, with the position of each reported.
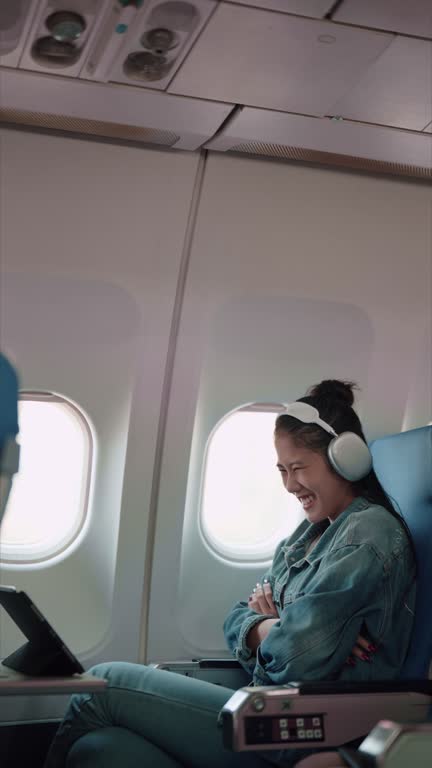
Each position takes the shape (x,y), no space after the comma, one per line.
(65,26)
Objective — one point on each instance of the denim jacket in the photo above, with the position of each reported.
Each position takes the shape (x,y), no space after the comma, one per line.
(358,579)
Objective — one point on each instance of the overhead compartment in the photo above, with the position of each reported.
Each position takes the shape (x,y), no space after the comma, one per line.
(332,141)
(409,17)
(277,61)
(314,8)
(108,110)
(396,90)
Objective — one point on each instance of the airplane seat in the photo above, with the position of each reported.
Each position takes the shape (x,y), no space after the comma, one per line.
(403,464)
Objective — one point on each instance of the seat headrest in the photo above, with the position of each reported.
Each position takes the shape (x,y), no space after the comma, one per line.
(403,464)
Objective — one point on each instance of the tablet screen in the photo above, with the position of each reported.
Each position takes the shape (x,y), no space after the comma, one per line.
(45,653)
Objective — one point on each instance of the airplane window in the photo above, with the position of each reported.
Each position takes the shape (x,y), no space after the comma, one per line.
(245,510)
(49,498)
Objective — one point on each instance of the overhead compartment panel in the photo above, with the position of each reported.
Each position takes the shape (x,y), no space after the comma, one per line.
(397,88)
(108,110)
(272,60)
(335,142)
(16,17)
(313,8)
(410,17)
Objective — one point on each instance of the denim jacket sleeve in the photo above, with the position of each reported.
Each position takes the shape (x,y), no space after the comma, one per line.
(317,631)
(238,623)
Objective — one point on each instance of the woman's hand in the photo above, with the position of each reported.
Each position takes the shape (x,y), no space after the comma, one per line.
(261,600)
(363,650)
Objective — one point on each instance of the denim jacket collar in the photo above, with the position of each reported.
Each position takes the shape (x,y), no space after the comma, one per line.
(324,528)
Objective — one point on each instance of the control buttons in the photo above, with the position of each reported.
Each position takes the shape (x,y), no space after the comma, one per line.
(307,729)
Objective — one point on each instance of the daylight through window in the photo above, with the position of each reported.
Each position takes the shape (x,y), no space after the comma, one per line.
(245,509)
(50,495)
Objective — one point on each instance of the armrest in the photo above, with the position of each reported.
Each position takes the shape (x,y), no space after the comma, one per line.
(226,672)
(319,714)
(218,663)
(328,688)
(196,664)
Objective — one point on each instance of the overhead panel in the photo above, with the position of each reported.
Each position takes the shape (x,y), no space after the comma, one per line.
(428,128)
(312,8)
(15,19)
(397,88)
(61,35)
(334,142)
(409,17)
(108,110)
(157,48)
(145,45)
(276,61)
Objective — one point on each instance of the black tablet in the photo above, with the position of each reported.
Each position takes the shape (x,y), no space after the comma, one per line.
(45,653)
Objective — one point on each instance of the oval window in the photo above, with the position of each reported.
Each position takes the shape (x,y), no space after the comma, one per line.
(49,499)
(245,509)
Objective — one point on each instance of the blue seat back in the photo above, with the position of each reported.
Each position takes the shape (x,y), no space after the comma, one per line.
(403,464)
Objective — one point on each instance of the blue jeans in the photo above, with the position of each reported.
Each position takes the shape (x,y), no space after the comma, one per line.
(150,717)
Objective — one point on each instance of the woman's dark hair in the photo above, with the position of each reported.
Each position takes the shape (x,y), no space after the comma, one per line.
(334,399)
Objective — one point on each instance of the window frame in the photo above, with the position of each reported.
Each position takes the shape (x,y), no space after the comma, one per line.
(8,553)
(227,555)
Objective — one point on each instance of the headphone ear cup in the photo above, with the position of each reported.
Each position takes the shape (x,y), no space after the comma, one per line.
(350,456)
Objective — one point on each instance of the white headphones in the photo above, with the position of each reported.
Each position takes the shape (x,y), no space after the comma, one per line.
(347,453)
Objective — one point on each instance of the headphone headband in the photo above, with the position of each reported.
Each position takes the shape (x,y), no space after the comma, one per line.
(308,414)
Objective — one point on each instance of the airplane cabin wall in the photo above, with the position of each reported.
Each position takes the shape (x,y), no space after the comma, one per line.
(92,240)
(295,273)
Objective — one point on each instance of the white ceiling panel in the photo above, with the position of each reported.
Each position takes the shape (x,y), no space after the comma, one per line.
(313,8)
(410,17)
(276,61)
(428,128)
(397,88)
(325,135)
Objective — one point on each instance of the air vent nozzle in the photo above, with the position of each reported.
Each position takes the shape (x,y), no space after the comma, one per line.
(54,53)
(143,65)
(159,40)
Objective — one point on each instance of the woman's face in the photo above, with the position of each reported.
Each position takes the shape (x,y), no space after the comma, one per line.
(307,475)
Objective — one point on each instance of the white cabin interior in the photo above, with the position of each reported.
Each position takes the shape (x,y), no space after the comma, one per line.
(183,236)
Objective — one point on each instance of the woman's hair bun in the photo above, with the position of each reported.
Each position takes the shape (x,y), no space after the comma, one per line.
(334,389)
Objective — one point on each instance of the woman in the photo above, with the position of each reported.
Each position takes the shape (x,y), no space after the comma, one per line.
(337,603)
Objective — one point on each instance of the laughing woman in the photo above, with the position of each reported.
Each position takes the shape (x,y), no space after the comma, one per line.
(336,604)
